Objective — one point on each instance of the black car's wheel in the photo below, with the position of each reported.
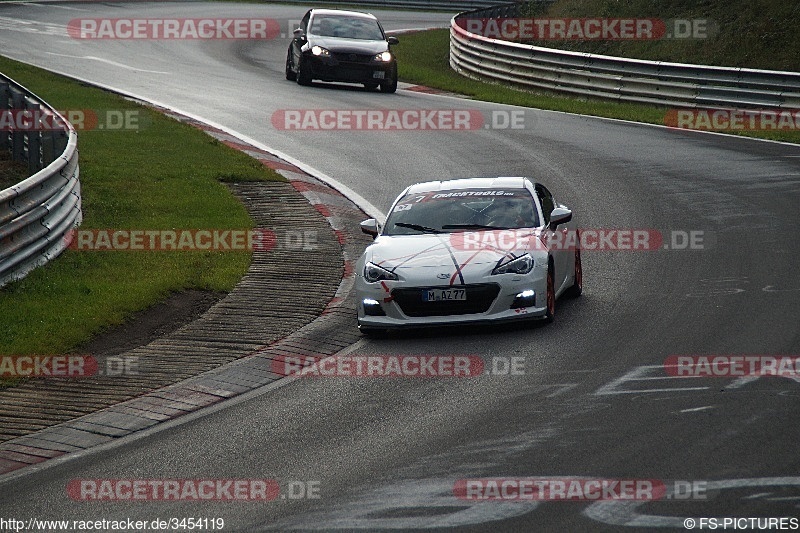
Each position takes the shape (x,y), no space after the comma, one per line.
(291,75)
(371,86)
(303,73)
(390,85)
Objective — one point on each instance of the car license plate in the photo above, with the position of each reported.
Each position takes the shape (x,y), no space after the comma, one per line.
(444,295)
(378,74)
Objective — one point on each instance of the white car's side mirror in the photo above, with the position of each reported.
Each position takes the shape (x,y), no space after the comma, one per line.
(559,215)
(371,227)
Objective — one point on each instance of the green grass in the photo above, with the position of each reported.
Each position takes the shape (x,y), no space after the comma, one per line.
(744,33)
(423,58)
(165,175)
(11,172)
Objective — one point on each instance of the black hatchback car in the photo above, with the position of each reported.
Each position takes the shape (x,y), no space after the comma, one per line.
(343,46)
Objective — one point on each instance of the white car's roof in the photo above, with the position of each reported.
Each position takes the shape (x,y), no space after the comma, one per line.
(503,182)
(343,12)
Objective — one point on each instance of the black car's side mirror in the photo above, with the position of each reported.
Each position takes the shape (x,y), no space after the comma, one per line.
(393,40)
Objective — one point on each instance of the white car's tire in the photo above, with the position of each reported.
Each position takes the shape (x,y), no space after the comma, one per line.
(577,286)
(550,295)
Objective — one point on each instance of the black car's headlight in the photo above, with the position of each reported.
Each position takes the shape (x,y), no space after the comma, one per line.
(373,273)
(383,57)
(520,265)
(319,51)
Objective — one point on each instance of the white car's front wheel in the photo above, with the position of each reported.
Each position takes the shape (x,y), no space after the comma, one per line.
(550,314)
(577,286)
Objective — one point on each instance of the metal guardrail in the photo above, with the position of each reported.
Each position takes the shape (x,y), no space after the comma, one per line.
(625,80)
(38,214)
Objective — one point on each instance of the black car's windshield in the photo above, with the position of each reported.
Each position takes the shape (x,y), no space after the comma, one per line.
(462,210)
(346,27)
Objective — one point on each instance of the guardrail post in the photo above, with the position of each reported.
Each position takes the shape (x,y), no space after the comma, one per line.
(36,214)
(17,102)
(5,106)
(34,135)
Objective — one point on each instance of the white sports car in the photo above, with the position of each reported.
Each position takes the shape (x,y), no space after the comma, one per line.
(467,251)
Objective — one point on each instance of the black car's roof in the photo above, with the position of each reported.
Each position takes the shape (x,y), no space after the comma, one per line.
(321,11)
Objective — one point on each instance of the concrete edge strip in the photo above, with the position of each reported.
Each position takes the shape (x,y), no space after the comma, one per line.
(244,376)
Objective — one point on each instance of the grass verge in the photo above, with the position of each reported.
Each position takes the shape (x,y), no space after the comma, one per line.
(11,172)
(734,33)
(423,58)
(164,175)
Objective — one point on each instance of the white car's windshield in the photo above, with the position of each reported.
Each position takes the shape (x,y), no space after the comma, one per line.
(346,27)
(462,210)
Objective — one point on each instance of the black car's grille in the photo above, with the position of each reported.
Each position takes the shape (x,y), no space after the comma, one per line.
(479,298)
(352,58)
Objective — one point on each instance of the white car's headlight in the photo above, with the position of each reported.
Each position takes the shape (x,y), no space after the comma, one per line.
(373,273)
(521,265)
(383,57)
(319,51)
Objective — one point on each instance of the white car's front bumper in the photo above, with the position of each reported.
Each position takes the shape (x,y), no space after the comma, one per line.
(399,305)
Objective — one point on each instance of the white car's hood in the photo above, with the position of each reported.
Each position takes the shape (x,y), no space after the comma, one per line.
(448,250)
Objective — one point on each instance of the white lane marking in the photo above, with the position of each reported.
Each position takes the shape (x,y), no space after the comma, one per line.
(560,388)
(31,26)
(744,380)
(615,120)
(623,513)
(639,374)
(108,61)
(404,505)
(350,194)
(771,288)
(55,6)
(696,409)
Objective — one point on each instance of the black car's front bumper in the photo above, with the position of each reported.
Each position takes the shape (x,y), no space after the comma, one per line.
(353,68)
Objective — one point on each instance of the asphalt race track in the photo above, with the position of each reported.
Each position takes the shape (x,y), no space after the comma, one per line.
(592,399)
